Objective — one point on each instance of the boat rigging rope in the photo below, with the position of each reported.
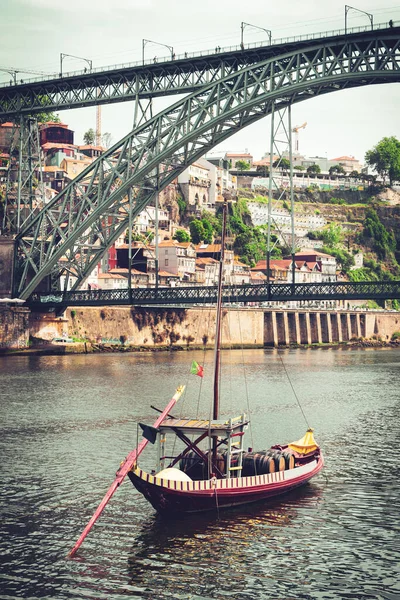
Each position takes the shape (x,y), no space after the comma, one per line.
(293,390)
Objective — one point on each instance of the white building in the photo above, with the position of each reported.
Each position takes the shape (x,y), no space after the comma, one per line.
(178,258)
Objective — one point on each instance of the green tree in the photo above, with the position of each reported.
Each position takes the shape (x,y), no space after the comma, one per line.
(355,174)
(336,170)
(197,232)
(384,158)
(282,163)
(181,236)
(89,137)
(382,241)
(263,170)
(332,235)
(313,169)
(242,165)
(299,168)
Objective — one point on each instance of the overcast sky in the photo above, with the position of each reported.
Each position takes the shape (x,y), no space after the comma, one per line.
(35,32)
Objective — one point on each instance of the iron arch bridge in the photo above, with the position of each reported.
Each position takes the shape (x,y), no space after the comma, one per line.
(70,235)
(198,295)
(180,75)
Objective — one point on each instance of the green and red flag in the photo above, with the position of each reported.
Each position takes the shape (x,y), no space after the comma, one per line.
(196,369)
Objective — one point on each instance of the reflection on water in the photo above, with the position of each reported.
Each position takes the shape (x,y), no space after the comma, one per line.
(68,421)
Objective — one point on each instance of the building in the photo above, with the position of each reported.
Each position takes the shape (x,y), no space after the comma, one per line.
(178,258)
(325,262)
(73,166)
(234,157)
(54,177)
(91,151)
(195,186)
(207,270)
(349,163)
(56,133)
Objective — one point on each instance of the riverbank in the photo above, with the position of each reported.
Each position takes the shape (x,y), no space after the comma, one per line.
(94,348)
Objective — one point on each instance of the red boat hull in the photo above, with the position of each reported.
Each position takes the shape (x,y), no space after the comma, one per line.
(197,496)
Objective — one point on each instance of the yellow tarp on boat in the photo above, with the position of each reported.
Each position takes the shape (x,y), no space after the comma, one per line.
(306,444)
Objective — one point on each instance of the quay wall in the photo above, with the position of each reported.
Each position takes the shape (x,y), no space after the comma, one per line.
(166,327)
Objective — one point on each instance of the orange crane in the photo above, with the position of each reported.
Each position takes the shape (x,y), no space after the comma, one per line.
(296,135)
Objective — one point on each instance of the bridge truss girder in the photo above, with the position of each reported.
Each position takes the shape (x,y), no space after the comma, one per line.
(149,81)
(199,295)
(75,229)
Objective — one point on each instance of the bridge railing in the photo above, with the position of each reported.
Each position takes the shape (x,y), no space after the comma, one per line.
(275,292)
(200,54)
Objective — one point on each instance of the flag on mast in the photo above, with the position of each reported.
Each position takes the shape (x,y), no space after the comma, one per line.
(196,369)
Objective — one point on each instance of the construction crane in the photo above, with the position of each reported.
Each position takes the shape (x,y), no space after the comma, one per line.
(296,135)
(98,126)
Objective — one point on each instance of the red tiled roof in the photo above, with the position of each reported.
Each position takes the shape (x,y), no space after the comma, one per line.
(91,147)
(208,248)
(206,261)
(8,124)
(51,145)
(233,154)
(345,158)
(167,274)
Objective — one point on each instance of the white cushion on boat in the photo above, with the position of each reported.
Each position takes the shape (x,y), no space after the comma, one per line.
(173,475)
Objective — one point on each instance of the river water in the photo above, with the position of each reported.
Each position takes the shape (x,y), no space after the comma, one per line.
(68,421)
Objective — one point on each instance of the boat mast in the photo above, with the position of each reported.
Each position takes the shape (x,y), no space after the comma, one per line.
(217,351)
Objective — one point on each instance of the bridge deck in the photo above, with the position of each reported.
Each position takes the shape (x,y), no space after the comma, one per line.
(375,290)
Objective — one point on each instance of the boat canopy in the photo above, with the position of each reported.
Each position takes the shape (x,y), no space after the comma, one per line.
(306,444)
(195,426)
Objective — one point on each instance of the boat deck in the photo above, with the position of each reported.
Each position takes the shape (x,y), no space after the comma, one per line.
(198,426)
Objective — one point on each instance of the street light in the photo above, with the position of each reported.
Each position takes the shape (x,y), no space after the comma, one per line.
(12,72)
(145,42)
(62,56)
(346,10)
(244,25)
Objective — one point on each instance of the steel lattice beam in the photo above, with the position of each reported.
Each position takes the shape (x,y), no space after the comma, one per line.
(75,229)
(149,81)
(371,290)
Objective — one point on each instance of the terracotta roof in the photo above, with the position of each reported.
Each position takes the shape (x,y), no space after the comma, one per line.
(311,253)
(345,158)
(174,244)
(8,124)
(233,154)
(208,248)
(51,145)
(50,169)
(124,272)
(167,274)
(258,275)
(110,276)
(53,124)
(206,261)
(92,147)
(86,161)
(195,164)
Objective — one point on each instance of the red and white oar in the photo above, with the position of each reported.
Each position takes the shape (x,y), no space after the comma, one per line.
(123,470)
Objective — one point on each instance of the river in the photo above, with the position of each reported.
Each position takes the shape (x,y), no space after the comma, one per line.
(68,421)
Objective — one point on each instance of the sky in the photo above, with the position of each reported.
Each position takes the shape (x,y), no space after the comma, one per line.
(350,122)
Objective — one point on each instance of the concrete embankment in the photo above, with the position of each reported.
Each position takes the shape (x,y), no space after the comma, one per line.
(158,328)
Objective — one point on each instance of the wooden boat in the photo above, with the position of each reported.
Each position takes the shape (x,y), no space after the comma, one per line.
(221,475)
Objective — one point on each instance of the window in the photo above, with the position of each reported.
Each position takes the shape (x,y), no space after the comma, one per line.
(166,262)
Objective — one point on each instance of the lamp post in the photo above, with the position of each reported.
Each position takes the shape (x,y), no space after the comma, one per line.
(244,25)
(145,42)
(12,72)
(346,10)
(63,55)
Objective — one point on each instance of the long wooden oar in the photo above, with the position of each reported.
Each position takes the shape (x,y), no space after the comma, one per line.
(123,470)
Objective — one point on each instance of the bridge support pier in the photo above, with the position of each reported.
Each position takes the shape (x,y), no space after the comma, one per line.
(6,267)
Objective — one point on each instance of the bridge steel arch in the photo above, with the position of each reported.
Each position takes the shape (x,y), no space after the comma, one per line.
(72,233)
